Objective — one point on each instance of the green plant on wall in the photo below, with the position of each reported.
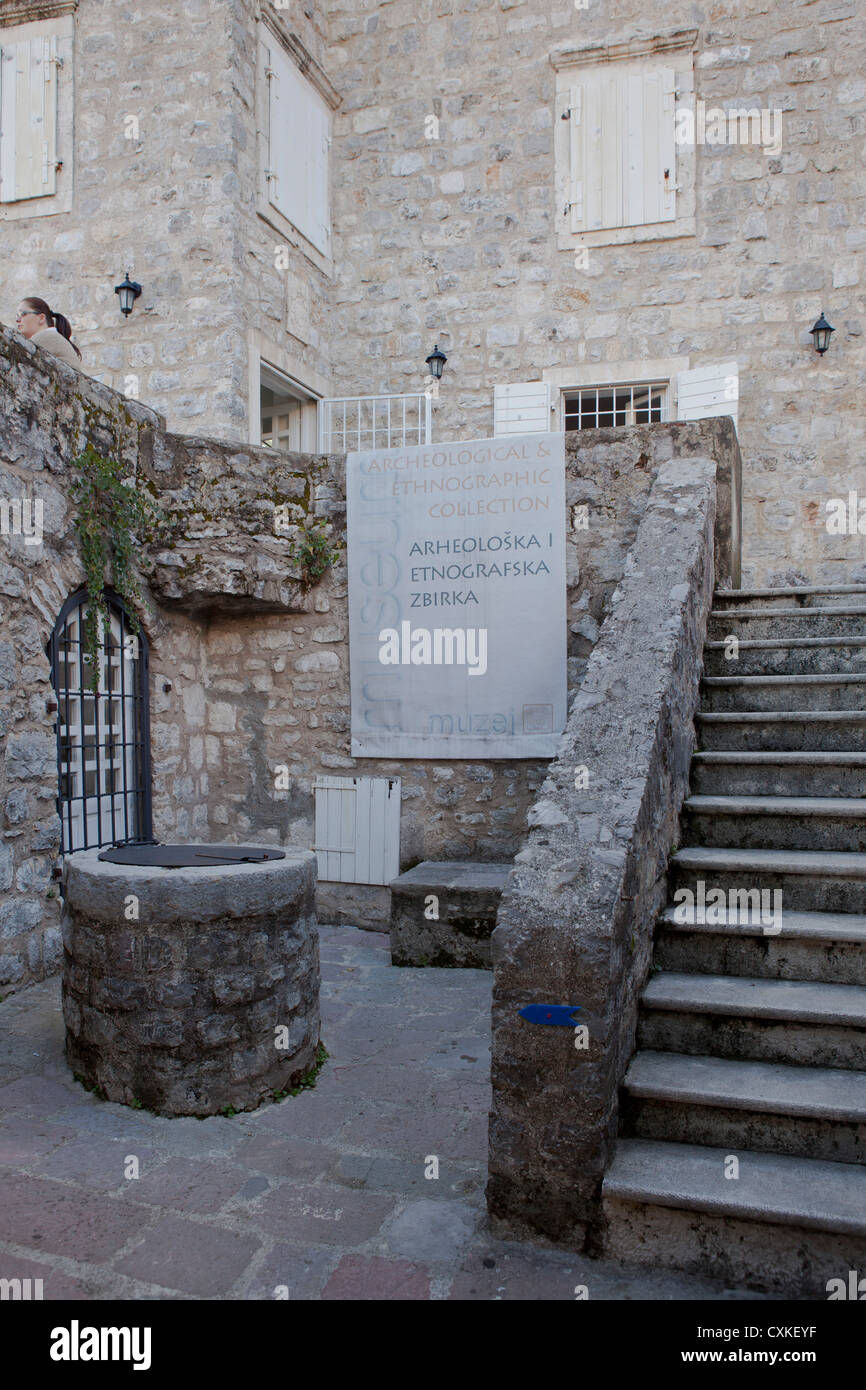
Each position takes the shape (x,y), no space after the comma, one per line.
(112,515)
(313,552)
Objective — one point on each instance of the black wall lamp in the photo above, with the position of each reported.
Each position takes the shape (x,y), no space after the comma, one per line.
(129,292)
(436,361)
(821,331)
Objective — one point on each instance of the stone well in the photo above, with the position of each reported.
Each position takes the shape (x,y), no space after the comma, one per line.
(208,998)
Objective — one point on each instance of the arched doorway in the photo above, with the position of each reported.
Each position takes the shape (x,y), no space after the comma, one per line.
(103,737)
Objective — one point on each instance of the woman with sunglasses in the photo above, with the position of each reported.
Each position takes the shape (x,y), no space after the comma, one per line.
(47,330)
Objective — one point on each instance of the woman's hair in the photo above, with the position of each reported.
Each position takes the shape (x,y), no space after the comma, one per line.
(53,320)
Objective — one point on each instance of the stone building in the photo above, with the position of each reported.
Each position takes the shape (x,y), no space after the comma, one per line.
(643,221)
(616,228)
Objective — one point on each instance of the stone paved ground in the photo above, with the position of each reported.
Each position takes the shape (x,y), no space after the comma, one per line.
(324,1193)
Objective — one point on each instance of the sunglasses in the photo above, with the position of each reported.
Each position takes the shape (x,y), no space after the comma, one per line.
(24,315)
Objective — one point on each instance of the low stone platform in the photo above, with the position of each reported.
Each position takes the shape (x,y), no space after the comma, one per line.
(192,990)
(444,913)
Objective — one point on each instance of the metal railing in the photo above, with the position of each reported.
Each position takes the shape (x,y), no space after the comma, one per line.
(373,422)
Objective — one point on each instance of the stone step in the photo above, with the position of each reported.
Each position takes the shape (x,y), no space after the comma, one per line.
(778,623)
(821,946)
(807,1023)
(805,1112)
(785,1225)
(806,596)
(776,822)
(810,881)
(779,774)
(825,731)
(827,691)
(792,656)
(467,894)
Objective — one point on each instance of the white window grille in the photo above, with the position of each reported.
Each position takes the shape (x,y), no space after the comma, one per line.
(596,407)
(373,422)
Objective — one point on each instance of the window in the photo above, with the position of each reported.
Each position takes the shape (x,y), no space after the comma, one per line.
(297,142)
(36,115)
(623,152)
(28,119)
(103,748)
(595,407)
(620,174)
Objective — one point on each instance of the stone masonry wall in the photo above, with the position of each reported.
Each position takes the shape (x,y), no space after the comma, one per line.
(175,206)
(454,238)
(249,672)
(579,907)
(48,413)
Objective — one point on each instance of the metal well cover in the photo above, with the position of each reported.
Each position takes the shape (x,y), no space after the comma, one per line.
(189,856)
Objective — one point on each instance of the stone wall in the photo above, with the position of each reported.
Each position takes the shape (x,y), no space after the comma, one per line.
(455,237)
(173,200)
(249,671)
(575,924)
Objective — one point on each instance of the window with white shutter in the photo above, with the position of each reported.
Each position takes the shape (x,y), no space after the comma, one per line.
(620,174)
(28,118)
(622,148)
(298,143)
(706,391)
(521,407)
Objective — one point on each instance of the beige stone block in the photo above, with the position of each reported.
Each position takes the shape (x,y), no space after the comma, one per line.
(318,661)
(193,701)
(221,716)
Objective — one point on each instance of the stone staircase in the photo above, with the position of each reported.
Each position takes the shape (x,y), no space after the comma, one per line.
(743,1125)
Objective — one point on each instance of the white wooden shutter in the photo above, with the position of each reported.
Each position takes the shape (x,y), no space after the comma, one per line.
(28,119)
(521,407)
(298,153)
(706,391)
(358,829)
(622,140)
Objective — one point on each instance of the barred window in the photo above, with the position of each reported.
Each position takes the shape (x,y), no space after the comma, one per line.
(596,407)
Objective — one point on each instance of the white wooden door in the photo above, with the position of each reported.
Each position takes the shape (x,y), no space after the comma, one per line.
(358,829)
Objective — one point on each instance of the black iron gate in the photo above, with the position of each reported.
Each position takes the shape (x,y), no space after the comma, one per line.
(103,736)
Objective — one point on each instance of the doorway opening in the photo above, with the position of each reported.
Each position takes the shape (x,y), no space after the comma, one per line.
(288,413)
(103,734)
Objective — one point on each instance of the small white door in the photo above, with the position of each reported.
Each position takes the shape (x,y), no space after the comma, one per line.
(358,829)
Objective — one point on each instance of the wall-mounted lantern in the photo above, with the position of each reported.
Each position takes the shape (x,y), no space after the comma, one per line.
(436,361)
(821,331)
(128,292)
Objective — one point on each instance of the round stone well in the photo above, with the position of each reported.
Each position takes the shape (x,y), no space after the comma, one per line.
(194,988)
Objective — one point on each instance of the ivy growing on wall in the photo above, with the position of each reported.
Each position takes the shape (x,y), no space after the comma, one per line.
(313,552)
(112,516)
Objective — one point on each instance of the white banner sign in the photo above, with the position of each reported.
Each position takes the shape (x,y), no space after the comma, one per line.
(457,616)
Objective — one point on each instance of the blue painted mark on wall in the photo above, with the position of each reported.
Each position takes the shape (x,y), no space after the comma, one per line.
(556,1015)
